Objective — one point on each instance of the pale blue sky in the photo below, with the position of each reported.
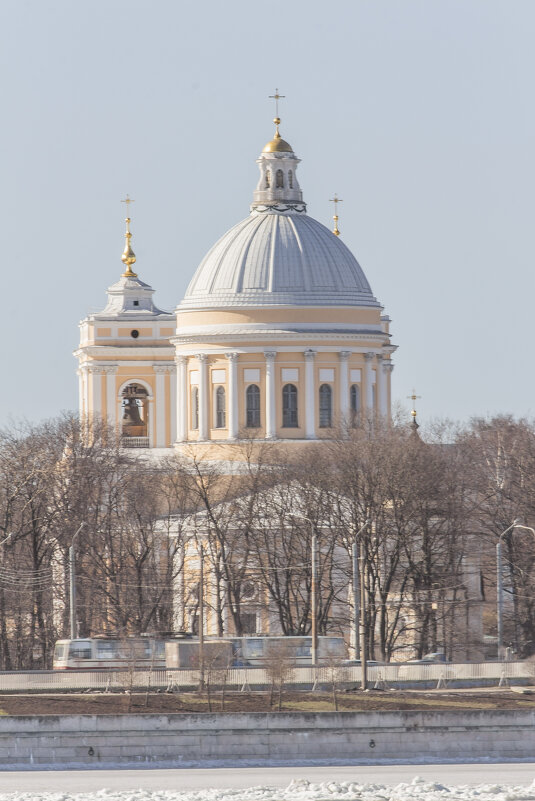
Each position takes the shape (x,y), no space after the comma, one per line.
(418,113)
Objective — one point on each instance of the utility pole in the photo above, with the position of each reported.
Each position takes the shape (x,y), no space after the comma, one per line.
(363,632)
(313,591)
(201,618)
(356,600)
(72,582)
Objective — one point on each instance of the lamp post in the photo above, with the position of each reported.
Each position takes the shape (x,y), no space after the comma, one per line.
(313,589)
(355,574)
(73,583)
(362,613)
(499,581)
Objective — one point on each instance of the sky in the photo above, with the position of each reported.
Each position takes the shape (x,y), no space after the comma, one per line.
(419,114)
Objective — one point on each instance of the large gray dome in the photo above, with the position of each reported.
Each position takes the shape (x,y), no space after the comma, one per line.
(278,259)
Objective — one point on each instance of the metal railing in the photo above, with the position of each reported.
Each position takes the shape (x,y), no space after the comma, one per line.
(160,679)
(135,442)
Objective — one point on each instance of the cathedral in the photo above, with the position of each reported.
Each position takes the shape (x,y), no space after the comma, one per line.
(278,337)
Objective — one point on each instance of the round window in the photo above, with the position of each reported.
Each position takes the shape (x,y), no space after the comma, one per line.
(134,334)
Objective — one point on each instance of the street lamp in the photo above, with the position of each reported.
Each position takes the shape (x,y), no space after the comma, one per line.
(313,588)
(359,588)
(499,580)
(73,583)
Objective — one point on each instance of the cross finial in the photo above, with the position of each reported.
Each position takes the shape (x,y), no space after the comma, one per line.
(276,97)
(414,397)
(336,200)
(129,257)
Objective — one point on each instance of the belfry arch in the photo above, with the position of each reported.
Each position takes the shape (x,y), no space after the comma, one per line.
(135,413)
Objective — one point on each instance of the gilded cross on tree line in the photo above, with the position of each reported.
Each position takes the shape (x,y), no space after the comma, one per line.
(414,397)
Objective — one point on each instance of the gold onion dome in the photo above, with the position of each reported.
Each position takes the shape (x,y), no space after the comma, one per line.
(277,144)
(129,257)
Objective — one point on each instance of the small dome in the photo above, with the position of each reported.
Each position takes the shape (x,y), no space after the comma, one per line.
(272,259)
(277,145)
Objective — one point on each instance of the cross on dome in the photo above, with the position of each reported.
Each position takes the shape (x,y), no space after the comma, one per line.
(336,200)
(129,257)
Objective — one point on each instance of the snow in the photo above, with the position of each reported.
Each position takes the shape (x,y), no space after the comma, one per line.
(417,789)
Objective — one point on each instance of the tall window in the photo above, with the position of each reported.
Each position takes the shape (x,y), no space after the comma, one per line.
(354,399)
(220,415)
(289,406)
(268,179)
(195,408)
(252,403)
(326,406)
(279,177)
(290,179)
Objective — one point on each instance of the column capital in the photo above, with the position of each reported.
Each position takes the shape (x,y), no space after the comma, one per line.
(232,357)
(180,360)
(310,354)
(369,355)
(201,357)
(95,370)
(344,355)
(110,370)
(161,369)
(270,354)
(379,357)
(388,366)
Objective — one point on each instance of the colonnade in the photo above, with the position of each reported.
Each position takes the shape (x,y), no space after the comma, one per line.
(375,374)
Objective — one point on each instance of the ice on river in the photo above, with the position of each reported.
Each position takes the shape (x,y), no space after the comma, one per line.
(301,790)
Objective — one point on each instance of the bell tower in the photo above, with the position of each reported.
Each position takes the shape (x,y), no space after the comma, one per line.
(126,366)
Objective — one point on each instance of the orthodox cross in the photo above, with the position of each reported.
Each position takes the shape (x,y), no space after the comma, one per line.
(276,97)
(128,200)
(336,200)
(414,397)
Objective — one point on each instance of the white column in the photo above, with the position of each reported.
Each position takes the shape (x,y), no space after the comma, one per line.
(343,386)
(233,409)
(368,378)
(150,410)
(160,404)
(271,412)
(387,370)
(95,408)
(81,410)
(172,402)
(310,395)
(179,623)
(181,399)
(203,396)
(381,387)
(111,392)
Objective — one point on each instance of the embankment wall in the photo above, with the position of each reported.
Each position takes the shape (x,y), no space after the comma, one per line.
(91,740)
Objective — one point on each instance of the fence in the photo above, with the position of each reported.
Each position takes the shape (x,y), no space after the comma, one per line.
(160,679)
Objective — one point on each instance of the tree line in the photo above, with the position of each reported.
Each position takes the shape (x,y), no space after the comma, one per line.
(436,503)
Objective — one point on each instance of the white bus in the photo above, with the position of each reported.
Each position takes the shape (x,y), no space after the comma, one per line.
(97,653)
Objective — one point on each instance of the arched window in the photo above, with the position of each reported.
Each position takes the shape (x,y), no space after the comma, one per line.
(326,406)
(134,425)
(354,399)
(279,180)
(252,403)
(220,415)
(290,179)
(268,179)
(195,408)
(289,406)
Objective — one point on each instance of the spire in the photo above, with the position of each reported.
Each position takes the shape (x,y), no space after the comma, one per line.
(336,200)
(277,144)
(129,257)
(414,425)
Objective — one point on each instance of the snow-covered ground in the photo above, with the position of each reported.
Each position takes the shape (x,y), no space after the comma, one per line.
(466,782)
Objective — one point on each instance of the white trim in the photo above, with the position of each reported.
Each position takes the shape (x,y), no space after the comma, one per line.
(290,374)
(219,376)
(251,375)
